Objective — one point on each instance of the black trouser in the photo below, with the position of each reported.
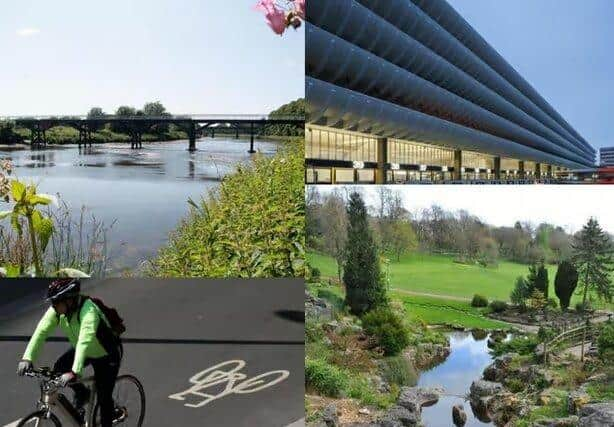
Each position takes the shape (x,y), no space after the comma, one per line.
(105,373)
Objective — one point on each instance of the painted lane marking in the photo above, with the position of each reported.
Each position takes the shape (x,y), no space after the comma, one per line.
(236,382)
(13,424)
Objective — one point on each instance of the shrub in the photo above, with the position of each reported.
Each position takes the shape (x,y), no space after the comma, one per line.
(565,283)
(326,379)
(552,303)
(521,292)
(582,307)
(523,345)
(498,306)
(331,297)
(516,385)
(605,342)
(387,328)
(479,301)
(313,331)
(252,226)
(399,370)
(315,274)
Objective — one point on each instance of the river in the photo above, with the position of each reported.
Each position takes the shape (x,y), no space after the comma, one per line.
(468,358)
(142,193)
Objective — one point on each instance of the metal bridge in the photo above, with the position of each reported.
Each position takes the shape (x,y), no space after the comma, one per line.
(137,125)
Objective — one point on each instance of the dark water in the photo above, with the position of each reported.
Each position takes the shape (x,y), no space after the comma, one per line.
(143,192)
(467,360)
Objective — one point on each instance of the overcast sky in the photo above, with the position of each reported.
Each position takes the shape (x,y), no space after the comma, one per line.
(568,206)
(563,48)
(195,56)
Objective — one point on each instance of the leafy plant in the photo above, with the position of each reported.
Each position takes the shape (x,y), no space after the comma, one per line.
(479,301)
(325,378)
(388,329)
(498,306)
(399,370)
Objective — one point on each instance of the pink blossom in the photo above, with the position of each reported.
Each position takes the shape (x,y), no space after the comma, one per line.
(300,8)
(275,17)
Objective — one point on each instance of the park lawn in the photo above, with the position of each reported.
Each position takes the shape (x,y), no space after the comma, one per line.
(439,311)
(440,275)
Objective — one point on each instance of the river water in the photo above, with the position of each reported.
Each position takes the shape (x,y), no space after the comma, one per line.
(468,358)
(142,193)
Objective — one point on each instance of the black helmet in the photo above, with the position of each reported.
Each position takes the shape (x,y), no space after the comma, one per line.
(61,289)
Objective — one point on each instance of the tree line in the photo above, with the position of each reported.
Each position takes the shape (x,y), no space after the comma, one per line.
(585,259)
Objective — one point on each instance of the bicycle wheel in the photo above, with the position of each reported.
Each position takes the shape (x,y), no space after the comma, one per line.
(129,398)
(39,419)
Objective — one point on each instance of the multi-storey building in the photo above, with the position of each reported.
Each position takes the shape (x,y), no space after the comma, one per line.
(404,90)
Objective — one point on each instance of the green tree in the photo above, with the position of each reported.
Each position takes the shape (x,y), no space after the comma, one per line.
(401,237)
(123,111)
(521,292)
(361,274)
(593,258)
(293,109)
(156,109)
(565,283)
(95,113)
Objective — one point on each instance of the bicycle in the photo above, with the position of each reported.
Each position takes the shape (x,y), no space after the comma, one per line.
(54,406)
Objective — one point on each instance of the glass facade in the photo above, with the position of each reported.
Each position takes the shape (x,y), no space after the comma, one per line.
(413,153)
(331,144)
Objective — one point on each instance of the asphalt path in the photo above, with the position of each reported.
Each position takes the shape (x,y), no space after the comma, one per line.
(177,329)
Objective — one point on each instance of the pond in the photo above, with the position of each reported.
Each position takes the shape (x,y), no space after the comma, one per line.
(468,358)
(141,193)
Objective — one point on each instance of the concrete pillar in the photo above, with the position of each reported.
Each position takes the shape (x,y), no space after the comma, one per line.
(251,138)
(538,171)
(497,168)
(550,171)
(458,164)
(192,136)
(521,169)
(382,159)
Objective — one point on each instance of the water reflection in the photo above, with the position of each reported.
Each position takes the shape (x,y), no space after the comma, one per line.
(144,190)
(468,358)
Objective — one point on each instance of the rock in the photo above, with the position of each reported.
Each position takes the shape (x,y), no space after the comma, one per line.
(364,411)
(459,417)
(329,415)
(330,326)
(414,398)
(577,399)
(571,421)
(479,334)
(597,415)
(544,398)
(598,378)
(505,407)
(398,416)
(498,369)
(482,388)
(317,308)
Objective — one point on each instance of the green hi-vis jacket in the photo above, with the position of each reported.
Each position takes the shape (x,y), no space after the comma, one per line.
(82,335)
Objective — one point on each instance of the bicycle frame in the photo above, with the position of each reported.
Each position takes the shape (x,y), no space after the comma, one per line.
(53,401)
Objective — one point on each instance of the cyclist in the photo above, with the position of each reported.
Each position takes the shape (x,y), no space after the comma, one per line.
(93,343)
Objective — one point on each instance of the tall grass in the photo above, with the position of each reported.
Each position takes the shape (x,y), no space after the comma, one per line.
(253,225)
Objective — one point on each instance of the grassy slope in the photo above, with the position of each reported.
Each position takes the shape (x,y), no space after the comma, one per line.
(440,275)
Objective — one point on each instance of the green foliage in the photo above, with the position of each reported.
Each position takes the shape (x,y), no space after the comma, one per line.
(521,292)
(313,331)
(498,306)
(8,134)
(324,378)
(388,329)
(605,342)
(593,257)
(332,297)
(515,385)
(523,345)
(565,283)
(399,370)
(479,301)
(252,227)
(363,390)
(361,273)
(294,108)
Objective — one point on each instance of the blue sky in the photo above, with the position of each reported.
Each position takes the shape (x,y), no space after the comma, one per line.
(195,56)
(564,48)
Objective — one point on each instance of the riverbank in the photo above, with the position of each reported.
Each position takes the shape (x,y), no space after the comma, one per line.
(251,226)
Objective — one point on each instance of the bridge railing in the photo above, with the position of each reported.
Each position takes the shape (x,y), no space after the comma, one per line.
(570,338)
(196,117)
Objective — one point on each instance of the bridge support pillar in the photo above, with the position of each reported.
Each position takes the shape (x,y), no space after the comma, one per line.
(137,140)
(192,136)
(251,138)
(458,165)
(497,168)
